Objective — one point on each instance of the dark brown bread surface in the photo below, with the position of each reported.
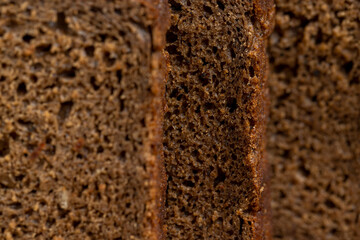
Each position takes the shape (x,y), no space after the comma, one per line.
(215,120)
(314,132)
(81,93)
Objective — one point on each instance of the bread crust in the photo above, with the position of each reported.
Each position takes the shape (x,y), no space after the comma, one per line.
(159,69)
(264,12)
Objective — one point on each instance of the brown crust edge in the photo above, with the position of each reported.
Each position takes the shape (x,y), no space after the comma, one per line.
(264,11)
(159,11)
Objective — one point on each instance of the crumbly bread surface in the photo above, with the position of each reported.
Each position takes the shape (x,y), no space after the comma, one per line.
(215,119)
(80,106)
(314,130)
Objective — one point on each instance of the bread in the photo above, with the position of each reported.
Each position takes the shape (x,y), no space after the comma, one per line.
(81,92)
(314,131)
(215,120)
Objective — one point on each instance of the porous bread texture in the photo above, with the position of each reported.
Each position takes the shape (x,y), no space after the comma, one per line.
(215,121)
(314,130)
(81,93)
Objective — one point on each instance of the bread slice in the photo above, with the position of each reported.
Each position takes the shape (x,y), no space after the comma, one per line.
(314,133)
(216,114)
(80,104)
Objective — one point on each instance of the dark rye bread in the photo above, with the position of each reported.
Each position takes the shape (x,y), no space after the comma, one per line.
(80,104)
(215,119)
(314,132)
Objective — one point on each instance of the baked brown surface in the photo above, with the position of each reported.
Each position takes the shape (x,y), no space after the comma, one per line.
(314,131)
(215,120)
(81,93)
